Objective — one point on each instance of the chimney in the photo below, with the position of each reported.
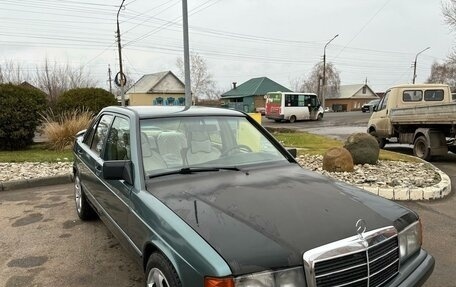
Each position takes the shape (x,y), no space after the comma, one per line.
(234,85)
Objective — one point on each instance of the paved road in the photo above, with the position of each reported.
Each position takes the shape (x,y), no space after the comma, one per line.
(44,244)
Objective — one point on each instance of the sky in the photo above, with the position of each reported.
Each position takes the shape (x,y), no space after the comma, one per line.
(239,39)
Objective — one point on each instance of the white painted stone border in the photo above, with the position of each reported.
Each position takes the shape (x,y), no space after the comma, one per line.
(439,190)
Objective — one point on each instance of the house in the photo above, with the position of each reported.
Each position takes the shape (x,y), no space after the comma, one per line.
(249,96)
(350,98)
(162,88)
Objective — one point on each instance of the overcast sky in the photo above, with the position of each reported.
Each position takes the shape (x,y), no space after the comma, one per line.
(240,39)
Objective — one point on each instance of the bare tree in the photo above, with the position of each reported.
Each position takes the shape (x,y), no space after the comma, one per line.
(444,74)
(203,86)
(297,84)
(449,16)
(314,81)
(55,79)
(11,72)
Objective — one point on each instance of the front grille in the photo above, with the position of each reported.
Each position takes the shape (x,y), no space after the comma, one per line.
(368,261)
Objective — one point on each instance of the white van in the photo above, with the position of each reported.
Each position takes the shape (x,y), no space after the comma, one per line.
(291,106)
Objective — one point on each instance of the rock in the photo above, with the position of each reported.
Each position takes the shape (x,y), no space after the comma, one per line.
(338,159)
(363,147)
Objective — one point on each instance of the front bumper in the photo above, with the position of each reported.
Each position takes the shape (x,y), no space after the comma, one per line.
(415,271)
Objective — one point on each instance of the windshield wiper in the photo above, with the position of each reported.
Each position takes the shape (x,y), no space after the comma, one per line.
(190,170)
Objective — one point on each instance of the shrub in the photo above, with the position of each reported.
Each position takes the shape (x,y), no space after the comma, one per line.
(60,129)
(90,99)
(19,116)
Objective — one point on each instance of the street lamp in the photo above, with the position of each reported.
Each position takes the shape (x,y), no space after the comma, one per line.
(188,89)
(414,64)
(324,73)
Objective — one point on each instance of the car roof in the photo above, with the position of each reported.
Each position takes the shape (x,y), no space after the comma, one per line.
(173,111)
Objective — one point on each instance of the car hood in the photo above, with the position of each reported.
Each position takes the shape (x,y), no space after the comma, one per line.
(266,218)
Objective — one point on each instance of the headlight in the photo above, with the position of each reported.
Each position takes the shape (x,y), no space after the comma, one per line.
(410,240)
(283,278)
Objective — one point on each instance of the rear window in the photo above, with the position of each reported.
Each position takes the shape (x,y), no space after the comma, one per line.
(412,96)
(433,95)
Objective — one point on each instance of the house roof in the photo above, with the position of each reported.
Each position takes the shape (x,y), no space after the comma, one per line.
(147,83)
(255,87)
(352,91)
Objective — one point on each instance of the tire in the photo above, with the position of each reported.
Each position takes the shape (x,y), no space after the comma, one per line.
(292,119)
(381,141)
(160,272)
(83,207)
(452,149)
(420,148)
(319,117)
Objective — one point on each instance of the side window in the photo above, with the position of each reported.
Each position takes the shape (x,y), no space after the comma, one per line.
(118,141)
(433,95)
(384,101)
(90,132)
(412,96)
(100,134)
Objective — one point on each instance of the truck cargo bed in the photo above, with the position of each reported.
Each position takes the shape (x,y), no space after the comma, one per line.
(434,114)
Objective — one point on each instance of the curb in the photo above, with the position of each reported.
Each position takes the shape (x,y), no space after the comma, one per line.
(439,190)
(35,182)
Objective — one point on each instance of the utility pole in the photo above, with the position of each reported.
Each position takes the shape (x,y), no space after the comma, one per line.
(110,78)
(414,63)
(324,73)
(188,88)
(119,46)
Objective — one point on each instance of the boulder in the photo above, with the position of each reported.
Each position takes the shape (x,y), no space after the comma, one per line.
(338,159)
(363,147)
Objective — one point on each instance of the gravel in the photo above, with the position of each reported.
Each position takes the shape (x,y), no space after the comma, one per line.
(383,174)
(29,170)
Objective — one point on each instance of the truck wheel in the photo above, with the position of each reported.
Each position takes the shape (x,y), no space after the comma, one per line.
(381,141)
(292,119)
(420,148)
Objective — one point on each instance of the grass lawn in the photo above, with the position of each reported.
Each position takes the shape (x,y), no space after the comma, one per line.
(36,153)
(316,144)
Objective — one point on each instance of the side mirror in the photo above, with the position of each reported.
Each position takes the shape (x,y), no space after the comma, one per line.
(293,152)
(118,170)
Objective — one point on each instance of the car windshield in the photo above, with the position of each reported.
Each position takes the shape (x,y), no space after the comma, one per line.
(186,143)
(374,102)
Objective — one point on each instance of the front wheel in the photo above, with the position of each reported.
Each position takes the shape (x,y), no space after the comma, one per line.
(381,141)
(160,272)
(319,117)
(421,149)
(292,119)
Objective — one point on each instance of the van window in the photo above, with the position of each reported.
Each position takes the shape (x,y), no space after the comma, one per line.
(412,96)
(433,95)
(384,101)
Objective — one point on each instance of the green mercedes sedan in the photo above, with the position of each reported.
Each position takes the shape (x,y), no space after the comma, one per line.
(207,197)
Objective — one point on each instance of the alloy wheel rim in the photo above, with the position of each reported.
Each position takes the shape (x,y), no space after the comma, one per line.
(156,279)
(77,193)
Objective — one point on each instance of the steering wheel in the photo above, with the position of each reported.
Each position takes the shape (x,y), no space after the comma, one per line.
(239,147)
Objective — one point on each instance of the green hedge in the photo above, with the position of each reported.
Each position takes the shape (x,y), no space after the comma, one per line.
(91,99)
(19,117)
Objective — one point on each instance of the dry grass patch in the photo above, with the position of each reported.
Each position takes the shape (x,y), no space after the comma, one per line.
(60,130)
